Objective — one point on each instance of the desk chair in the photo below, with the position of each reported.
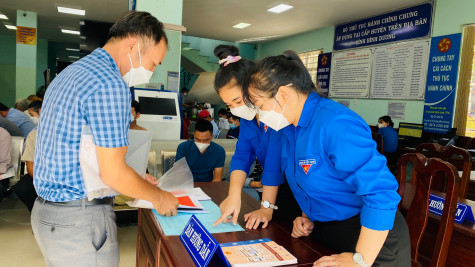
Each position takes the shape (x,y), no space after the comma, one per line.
(378,138)
(16,158)
(426,171)
(434,150)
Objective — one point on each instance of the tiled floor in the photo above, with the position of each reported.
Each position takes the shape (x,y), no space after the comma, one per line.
(18,245)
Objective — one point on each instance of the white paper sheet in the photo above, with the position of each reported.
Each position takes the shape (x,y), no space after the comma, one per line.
(137,157)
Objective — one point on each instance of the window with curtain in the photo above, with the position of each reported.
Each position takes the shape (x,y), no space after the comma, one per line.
(310,60)
(470,128)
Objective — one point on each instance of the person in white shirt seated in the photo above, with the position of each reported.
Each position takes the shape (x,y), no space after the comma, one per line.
(223,119)
(6,148)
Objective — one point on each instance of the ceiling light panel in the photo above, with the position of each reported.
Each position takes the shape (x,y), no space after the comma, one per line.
(11,27)
(73,57)
(70,32)
(241,25)
(73,11)
(3,16)
(72,49)
(280,8)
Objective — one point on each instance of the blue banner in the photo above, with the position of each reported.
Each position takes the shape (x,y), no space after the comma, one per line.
(323,72)
(200,244)
(464,212)
(441,83)
(404,24)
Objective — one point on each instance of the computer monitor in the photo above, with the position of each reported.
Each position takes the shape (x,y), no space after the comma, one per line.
(157,106)
(410,130)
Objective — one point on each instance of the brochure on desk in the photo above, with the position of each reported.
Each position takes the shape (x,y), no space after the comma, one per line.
(260,252)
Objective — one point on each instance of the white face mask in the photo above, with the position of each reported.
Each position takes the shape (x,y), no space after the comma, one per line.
(273,119)
(137,76)
(201,146)
(244,112)
(381,125)
(132,118)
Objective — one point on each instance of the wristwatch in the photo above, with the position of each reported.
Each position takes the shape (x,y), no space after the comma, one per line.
(266,204)
(358,259)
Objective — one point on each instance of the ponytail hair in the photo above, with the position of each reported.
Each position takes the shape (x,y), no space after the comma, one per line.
(273,72)
(387,119)
(236,72)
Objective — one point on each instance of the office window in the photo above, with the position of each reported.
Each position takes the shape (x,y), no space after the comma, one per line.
(470,130)
(310,60)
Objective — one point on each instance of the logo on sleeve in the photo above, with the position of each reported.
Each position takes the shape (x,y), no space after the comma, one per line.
(265,128)
(306,164)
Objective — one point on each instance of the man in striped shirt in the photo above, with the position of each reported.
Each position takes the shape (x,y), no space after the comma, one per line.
(69,229)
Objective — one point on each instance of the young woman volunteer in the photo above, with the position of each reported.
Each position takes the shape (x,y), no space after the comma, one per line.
(254,139)
(347,195)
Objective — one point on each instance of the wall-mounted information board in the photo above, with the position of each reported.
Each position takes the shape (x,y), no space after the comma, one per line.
(350,74)
(400,70)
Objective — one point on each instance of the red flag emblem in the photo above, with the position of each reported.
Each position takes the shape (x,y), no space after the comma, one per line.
(265,128)
(306,164)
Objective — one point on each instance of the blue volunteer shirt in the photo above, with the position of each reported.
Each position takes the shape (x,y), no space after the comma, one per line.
(88,92)
(390,138)
(21,120)
(333,168)
(201,165)
(261,142)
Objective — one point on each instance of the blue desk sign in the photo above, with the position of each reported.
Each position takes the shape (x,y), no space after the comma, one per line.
(464,212)
(200,244)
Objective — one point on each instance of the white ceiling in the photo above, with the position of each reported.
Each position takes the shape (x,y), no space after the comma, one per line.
(209,18)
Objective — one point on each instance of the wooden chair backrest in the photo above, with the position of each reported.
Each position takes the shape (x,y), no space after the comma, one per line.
(418,212)
(378,138)
(444,153)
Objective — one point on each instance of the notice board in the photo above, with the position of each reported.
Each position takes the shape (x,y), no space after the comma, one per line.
(351,74)
(400,70)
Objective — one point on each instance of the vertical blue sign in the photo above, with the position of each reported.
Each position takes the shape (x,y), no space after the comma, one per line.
(441,83)
(323,72)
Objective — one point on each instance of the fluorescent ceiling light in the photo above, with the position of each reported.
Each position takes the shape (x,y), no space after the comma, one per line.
(70,31)
(256,39)
(73,56)
(73,11)
(280,8)
(241,25)
(72,49)
(3,16)
(11,27)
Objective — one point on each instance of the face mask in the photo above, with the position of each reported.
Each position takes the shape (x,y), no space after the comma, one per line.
(223,119)
(201,147)
(244,112)
(137,76)
(232,126)
(273,119)
(132,118)
(381,125)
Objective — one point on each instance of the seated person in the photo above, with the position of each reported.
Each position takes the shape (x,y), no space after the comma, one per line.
(11,127)
(234,123)
(24,188)
(6,148)
(223,119)
(22,105)
(34,110)
(390,138)
(204,114)
(19,118)
(205,158)
(135,109)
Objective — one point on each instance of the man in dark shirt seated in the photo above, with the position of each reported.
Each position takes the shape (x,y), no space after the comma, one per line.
(205,158)
(234,123)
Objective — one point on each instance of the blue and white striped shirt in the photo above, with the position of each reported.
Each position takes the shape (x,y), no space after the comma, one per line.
(88,92)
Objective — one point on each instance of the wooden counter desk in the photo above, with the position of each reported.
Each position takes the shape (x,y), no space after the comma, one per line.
(462,245)
(156,249)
